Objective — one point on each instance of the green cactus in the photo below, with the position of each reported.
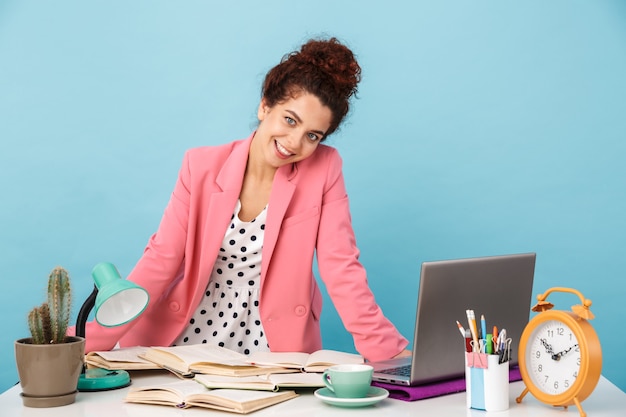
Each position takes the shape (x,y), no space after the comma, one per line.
(48,323)
(36,326)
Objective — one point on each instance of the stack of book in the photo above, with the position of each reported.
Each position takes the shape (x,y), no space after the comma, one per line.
(219,378)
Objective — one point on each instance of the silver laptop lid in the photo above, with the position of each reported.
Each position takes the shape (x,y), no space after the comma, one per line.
(500,287)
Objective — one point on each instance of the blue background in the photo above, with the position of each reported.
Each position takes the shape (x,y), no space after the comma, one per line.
(481,128)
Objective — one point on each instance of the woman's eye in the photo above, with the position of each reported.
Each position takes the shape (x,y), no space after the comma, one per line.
(313,137)
(290,121)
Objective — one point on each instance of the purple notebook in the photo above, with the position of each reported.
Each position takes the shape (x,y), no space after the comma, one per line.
(435,389)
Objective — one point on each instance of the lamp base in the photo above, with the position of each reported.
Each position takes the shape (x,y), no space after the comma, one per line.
(97,379)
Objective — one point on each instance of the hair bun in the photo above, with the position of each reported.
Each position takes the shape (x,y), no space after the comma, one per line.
(334,59)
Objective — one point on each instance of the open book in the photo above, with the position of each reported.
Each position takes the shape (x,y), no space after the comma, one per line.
(307,362)
(187,360)
(188,393)
(270,382)
(117,359)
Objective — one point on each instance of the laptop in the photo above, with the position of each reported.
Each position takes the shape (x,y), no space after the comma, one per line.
(498,287)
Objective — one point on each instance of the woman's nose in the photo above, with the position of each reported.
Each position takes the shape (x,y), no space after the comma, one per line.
(294,140)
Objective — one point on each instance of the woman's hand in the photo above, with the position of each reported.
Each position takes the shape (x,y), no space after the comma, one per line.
(404,354)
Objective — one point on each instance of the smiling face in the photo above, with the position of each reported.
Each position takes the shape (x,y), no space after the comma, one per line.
(291,130)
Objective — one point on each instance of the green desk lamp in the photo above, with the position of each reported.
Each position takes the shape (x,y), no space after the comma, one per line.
(117,301)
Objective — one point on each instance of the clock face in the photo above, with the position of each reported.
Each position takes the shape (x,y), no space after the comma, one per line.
(553,357)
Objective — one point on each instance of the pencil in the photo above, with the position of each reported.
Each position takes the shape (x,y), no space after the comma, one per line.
(461,329)
(471,319)
(483,327)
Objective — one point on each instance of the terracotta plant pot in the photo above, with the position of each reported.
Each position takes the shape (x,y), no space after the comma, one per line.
(49,373)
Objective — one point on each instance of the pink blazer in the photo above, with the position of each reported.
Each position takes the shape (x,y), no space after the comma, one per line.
(308,215)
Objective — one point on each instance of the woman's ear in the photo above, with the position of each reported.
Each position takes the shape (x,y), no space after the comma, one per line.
(263,109)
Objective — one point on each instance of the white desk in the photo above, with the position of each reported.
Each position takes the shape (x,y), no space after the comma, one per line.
(606,400)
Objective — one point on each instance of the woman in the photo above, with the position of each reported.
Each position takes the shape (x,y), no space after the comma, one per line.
(231,263)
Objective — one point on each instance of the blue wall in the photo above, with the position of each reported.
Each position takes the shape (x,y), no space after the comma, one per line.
(481,128)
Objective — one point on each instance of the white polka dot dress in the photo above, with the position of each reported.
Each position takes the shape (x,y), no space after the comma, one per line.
(228,314)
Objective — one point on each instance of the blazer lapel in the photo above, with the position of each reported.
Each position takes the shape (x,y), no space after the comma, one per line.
(280,198)
(218,207)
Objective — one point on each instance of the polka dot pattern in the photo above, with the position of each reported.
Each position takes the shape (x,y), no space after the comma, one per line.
(228,314)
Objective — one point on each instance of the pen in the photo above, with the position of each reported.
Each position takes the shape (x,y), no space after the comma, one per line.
(461,329)
(483,327)
(495,339)
(502,340)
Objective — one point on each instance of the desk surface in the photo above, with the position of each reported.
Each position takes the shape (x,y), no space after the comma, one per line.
(606,400)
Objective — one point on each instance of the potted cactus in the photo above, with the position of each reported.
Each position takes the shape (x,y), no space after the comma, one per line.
(50,362)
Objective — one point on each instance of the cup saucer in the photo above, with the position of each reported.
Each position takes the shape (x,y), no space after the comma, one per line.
(374,395)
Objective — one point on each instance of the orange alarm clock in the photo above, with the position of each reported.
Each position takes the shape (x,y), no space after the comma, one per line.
(560,358)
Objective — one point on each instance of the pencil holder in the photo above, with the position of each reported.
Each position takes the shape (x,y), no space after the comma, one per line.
(486,382)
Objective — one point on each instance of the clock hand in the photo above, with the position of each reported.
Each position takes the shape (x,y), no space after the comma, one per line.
(550,350)
(558,356)
(548,347)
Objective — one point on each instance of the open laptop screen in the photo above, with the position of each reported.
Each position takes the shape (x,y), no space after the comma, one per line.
(498,287)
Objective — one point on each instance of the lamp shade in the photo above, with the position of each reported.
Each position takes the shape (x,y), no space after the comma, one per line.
(118,301)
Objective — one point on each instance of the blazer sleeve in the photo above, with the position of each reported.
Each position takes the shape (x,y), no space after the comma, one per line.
(375,337)
(160,265)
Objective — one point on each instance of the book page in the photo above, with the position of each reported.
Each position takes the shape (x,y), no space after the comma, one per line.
(332,357)
(253,382)
(130,354)
(271,382)
(123,358)
(314,362)
(285,359)
(173,393)
(241,396)
(300,379)
(201,353)
(241,401)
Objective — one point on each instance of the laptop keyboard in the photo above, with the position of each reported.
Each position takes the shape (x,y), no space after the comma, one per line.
(400,370)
